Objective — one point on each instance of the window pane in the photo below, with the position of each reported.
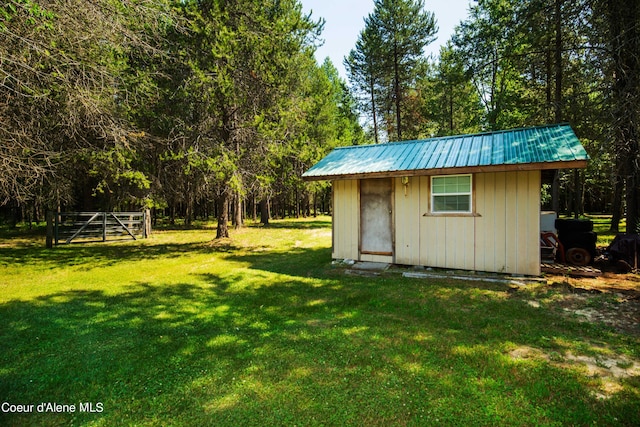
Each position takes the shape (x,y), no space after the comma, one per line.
(451,193)
(464,203)
(438,186)
(438,203)
(464,184)
(451,184)
(452,203)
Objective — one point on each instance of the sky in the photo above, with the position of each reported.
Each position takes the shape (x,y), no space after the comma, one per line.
(344,19)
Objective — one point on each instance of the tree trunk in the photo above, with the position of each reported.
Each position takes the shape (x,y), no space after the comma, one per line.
(373,110)
(264,211)
(237,212)
(396,87)
(222,230)
(188,210)
(50,231)
(254,211)
(315,203)
(555,192)
(557,100)
(558,61)
(616,206)
(624,36)
(633,202)
(451,129)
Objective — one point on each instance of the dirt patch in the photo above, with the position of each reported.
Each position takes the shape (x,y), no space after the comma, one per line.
(608,282)
(616,310)
(525,352)
(612,299)
(610,370)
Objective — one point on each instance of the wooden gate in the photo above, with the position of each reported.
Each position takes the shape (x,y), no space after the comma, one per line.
(84,227)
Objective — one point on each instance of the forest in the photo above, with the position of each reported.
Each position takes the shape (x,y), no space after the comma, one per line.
(214,108)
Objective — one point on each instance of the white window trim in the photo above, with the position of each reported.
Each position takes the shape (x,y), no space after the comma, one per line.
(469,193)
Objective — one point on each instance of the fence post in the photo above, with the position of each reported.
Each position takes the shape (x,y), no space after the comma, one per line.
(104,226)
(49,229)
(146,223)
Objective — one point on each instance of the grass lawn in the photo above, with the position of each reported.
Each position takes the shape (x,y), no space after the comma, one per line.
(263,330)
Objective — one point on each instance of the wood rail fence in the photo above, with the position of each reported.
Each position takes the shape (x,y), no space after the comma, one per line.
(85,227)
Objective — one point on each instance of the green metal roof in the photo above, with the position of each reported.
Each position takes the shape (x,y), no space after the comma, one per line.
(543,147)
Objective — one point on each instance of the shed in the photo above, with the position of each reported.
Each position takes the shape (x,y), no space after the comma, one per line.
(469,202)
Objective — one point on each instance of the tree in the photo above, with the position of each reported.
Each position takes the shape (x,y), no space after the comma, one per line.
(405,30)
(621,29)
(450,102)
(110,104)
(317,119)
(535,62)
(386,56)
(365,72)
(62,71)
(487,43)
(243,53)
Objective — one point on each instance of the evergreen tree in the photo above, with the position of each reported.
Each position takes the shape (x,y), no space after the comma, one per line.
(242,59)
(450,102)
(405,30)
(64,69)
(619,27)
(363,66)
(386,57)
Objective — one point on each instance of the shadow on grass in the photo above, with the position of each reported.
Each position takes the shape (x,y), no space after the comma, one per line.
(102,254)
(30,252)
(273,349)
(297,224)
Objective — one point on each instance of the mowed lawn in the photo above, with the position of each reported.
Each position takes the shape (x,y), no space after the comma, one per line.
(263,330)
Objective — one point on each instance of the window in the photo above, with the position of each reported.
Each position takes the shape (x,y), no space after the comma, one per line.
(451,194)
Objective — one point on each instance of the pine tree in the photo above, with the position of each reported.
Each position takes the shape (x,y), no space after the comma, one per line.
(386,56)
(365,72)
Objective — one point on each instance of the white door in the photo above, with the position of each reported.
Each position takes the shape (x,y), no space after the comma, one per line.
(376,212)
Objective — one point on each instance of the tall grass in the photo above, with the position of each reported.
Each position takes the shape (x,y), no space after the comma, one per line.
(262,329)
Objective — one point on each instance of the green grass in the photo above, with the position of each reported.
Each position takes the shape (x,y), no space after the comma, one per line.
(261,330)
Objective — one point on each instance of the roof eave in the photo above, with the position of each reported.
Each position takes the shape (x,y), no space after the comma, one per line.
(573,164)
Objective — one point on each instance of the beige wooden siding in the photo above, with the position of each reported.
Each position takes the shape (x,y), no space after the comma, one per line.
(435,241)
(501,236)
(447,242)
(346,219)
(508,225)
(529,222)
(407,221)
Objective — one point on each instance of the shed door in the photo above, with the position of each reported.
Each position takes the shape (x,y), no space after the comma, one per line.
(376,235)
